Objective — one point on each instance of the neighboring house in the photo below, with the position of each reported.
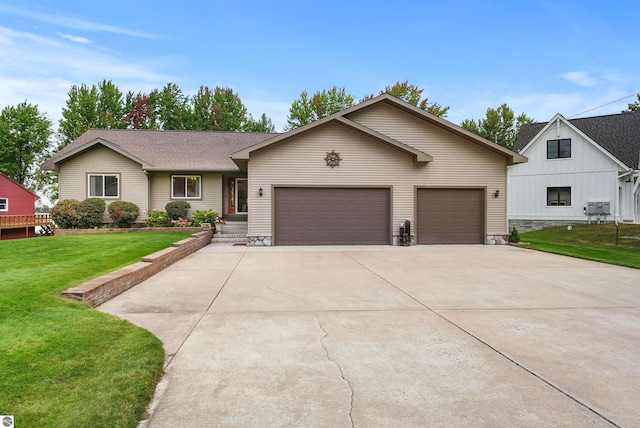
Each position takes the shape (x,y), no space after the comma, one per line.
(349,178)
(15,200)
(579,171)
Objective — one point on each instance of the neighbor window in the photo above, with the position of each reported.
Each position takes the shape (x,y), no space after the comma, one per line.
(104,186)
(4,204)
(185,186)
(558,196)
(558,149)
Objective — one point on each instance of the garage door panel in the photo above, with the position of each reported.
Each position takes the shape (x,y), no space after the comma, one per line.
(331,216)
(450,216)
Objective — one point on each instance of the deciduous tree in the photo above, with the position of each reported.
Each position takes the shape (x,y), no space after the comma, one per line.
(412,94)
(500,125)
(323,103)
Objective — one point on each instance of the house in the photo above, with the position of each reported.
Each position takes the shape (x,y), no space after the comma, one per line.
(579,171)
(349,178)
(16,205)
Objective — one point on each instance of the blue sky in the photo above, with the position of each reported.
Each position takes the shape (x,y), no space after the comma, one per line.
(540,57)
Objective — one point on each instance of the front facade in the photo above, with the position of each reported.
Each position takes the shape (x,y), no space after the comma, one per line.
(579,171)
(350,178)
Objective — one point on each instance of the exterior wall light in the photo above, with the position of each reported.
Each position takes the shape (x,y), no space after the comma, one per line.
(260,191)
(497,193)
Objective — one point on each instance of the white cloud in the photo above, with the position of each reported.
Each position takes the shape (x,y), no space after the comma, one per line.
(580,78)
(76,39)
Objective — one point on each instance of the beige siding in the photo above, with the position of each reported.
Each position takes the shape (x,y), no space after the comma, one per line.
(299,161)
(73,177)
(211,191)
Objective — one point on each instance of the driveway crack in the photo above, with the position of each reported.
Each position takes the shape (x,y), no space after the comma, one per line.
(346,381)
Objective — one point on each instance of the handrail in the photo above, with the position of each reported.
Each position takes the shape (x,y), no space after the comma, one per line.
(27,220)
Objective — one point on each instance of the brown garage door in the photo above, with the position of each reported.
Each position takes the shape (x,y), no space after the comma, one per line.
(450,216)
(331,216)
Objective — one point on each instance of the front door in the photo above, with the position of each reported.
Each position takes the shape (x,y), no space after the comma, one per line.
(238,192)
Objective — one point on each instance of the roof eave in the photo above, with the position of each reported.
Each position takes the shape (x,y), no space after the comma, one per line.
(53,164)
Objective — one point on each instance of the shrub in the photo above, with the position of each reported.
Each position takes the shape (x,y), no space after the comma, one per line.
(90,213)
(123,214)
(514,236)
(158,219)
(181,222)
(203,216)
(177,209)
(65,213)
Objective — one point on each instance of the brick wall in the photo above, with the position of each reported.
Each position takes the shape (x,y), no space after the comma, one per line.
(98,290)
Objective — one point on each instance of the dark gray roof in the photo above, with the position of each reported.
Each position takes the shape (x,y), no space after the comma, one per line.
(619,134)
(168,150)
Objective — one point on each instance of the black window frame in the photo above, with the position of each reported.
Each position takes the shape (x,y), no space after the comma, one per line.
(559,148)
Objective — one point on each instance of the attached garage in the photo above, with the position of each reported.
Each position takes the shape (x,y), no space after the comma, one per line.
(450,216)
(331,216)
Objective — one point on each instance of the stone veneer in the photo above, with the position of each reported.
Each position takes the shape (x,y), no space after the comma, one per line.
(98,290)
(530,225)
(265,241)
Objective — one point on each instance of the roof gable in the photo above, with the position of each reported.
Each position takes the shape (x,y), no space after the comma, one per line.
(342,117)
(4,177)
(618,135)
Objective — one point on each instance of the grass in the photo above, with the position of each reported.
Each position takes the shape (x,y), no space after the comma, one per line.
(592,242)
(63,363)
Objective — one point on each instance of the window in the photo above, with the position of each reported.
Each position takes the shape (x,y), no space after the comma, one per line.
(558,196)
(4,204)
(185,186)
(104,186)
(559,149)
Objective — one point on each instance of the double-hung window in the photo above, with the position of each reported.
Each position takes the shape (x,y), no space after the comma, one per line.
(186,186)
(558,196)
(104,186)
(559,149)
(4,204)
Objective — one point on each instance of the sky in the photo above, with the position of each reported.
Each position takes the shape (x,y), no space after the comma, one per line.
(575,57)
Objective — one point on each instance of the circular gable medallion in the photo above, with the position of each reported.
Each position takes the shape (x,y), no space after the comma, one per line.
(333,159)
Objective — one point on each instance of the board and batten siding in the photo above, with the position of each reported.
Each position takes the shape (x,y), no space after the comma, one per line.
(591,174)
(211,191)
(299,161)
(73,177)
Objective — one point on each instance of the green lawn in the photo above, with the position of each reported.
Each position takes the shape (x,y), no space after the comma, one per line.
(593,242)
(62,363)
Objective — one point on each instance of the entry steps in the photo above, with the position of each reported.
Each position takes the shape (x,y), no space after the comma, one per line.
(234,232)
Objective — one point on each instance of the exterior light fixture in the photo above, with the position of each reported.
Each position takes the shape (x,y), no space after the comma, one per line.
(260,191)
(497,193)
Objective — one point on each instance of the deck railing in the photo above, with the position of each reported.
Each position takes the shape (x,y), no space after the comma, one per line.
(29,220)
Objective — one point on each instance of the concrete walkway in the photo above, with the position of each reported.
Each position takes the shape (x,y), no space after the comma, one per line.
(387,336)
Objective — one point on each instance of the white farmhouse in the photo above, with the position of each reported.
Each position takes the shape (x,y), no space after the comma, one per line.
(579,171)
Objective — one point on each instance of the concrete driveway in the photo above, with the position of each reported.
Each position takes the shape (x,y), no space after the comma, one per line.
(392,337)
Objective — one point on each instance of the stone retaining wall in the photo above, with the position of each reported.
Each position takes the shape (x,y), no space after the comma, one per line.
(62,232)
(98,290)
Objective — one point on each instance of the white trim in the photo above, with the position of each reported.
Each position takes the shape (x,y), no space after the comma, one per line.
(103,175)
(185,176)
(6,204)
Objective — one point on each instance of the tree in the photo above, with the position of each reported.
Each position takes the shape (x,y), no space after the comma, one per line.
(141,112)
(323,103)
(634,106)
(98,106)
(24,143)
(172,108)
(500,125)
(228,113)
(263,125)
(412,94)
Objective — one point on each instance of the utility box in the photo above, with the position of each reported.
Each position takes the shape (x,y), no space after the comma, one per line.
(606,208)
(591,208)
(599,208)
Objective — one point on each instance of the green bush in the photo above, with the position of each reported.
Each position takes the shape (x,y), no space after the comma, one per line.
(157,219)
(177,209)
(91,213)
(65,213)
(514,236)
(123,214)
(203,216)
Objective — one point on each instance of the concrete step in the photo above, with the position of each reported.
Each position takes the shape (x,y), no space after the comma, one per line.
(217,239)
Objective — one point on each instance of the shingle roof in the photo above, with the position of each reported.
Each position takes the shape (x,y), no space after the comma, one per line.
(169,150)
(619,134)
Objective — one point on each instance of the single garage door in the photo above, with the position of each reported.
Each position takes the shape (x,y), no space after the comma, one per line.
(450,216)
(331,216)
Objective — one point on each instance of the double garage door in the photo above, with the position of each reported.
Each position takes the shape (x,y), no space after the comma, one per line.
(361,216)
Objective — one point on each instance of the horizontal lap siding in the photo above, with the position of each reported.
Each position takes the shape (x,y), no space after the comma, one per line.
(72,177)
(211,191)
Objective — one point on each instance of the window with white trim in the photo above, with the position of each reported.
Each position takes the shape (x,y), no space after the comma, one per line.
(104,185)
(559,149)
(558,196)
(4,204)
(186,186)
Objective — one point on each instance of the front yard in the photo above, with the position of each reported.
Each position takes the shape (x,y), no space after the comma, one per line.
(62,362)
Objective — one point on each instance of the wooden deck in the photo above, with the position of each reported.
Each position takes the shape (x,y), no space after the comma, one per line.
(22,226)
